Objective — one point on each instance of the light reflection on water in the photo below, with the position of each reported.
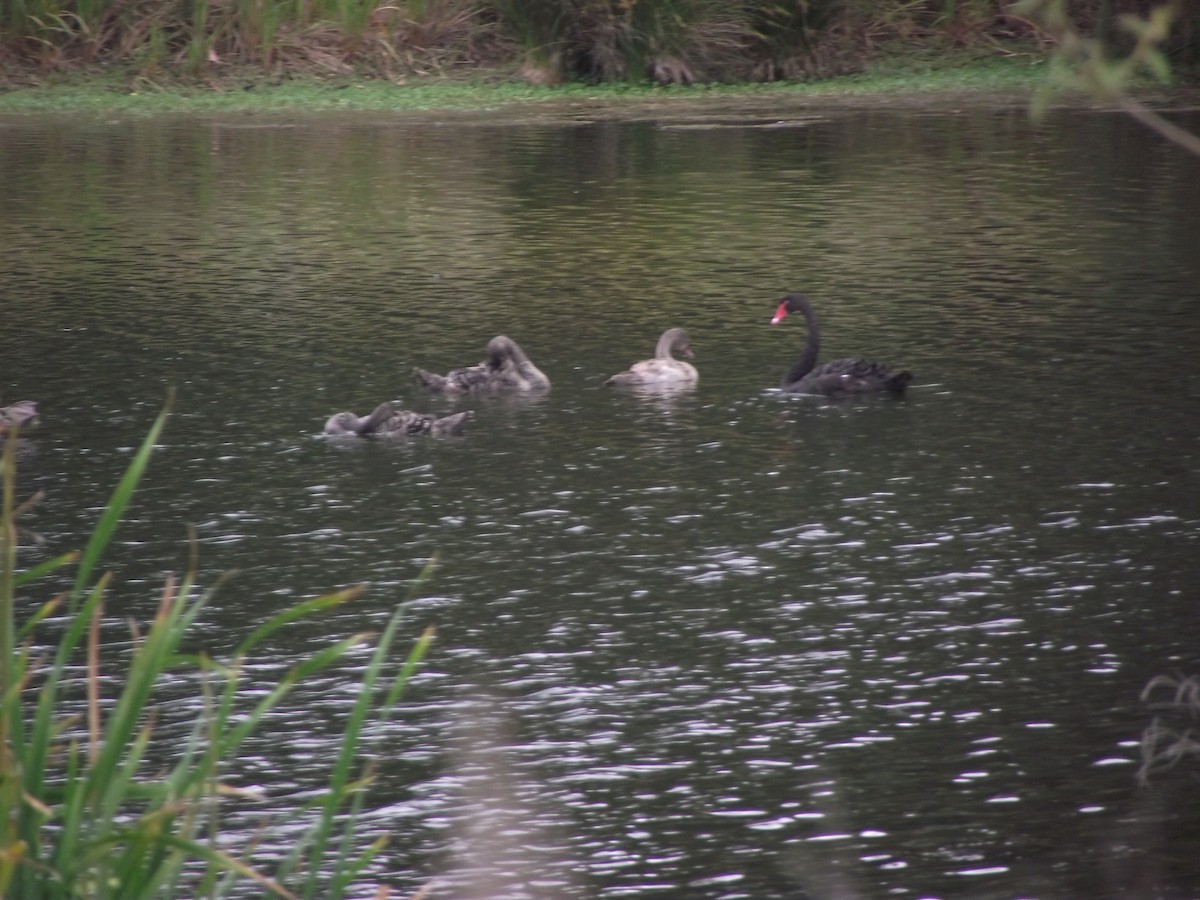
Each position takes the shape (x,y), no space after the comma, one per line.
(728,643)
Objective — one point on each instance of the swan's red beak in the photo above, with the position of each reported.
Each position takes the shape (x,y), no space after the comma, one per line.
(780,314)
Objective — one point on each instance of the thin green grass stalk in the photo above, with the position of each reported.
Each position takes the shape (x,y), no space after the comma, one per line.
(155,656)
(42,569)
(364,705)
(319,837)
(8,565)
(199,819)
(324,658)
(106,527)
(259,22)
(541,26)
(348,868)
(13,850)
(11,14)
(19,16)
(198,42)
(153,50)
(353,16)
(92,13)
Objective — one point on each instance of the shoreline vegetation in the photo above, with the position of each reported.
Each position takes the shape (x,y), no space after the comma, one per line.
(1009,80)
(480,55)
(249,91)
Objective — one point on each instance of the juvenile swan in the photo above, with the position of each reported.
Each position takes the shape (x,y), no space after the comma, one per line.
(837,378)
(663,369)
(506,368)
(387,421)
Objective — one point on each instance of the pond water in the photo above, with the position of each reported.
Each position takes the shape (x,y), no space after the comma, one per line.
(727,643)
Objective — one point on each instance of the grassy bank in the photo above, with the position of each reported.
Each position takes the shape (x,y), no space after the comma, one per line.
(233,55)
(109,91)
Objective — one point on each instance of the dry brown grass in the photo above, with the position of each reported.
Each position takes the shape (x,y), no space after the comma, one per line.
(541,41)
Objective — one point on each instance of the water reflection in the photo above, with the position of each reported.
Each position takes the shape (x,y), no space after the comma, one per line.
(732,642)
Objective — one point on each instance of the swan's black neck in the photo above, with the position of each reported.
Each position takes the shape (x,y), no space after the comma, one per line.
(812,348)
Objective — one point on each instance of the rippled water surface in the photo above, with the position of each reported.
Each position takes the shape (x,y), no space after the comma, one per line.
(729,643)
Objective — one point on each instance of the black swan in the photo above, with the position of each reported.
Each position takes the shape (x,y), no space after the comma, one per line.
(663,370)
(506,368)
(17,414)
(388,421)
(842,376)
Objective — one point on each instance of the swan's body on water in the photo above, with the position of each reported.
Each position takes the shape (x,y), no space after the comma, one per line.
(388,421)
(839,377)
(506,368)
(663,370)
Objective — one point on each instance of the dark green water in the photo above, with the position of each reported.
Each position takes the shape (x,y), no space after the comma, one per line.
(725,644)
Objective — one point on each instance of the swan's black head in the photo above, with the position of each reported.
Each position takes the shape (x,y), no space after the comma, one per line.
(789,303)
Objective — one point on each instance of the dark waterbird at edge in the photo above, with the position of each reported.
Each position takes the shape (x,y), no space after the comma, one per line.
(836,378)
